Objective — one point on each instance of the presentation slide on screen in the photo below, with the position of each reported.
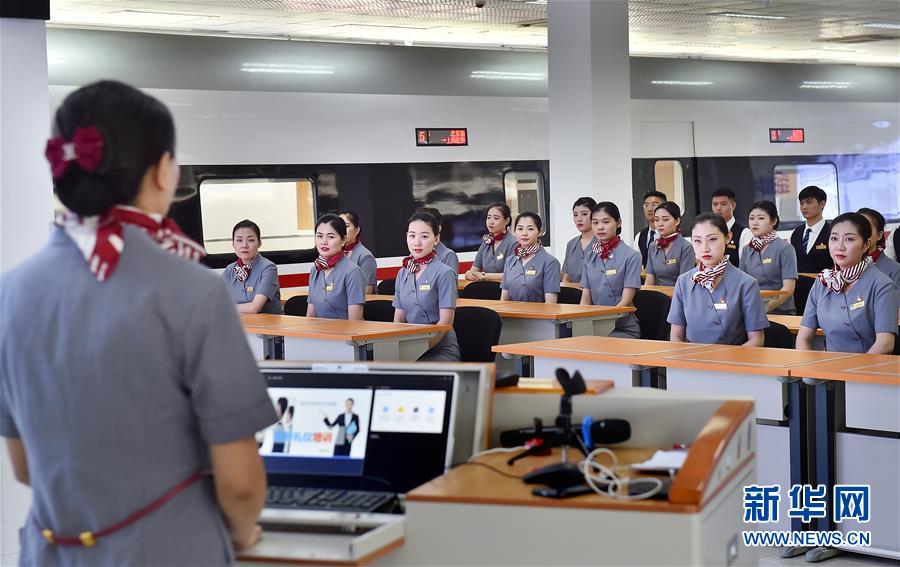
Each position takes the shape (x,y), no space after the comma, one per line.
(409,411)
(318,422)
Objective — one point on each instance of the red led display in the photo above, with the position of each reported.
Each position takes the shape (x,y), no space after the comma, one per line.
(442,137)
(786,136)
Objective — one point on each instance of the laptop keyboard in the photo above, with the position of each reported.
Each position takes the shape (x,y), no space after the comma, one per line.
(330,499)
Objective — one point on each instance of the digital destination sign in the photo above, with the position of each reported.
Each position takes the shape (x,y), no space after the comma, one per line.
(442,137)
(786,136)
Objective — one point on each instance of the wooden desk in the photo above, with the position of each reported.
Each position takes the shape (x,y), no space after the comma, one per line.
(307,338)
(767,294)
(551,386)
(463,283)
(290,292)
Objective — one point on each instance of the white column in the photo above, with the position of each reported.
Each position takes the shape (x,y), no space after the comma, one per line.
(25,200)
(590,111)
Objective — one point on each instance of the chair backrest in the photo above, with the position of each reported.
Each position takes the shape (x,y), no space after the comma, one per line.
(570,295)
(386,287)
(778,336)
(296,306)
(379,310)
(897,342)
(481,290)
(801,292)
(477,330)
(652,311)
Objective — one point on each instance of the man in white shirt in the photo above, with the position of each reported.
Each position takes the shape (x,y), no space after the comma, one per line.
(645,238)
(724,204)
(810,240)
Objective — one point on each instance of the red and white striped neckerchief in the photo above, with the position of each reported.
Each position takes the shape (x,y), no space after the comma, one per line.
(875,254)
(836,279)
(706,276)
(490,239)
(663,242)
(415,264)
(348,248)
(242,270)
(100,238)
(604,249)
(527,251)
(323,263)
(759,243)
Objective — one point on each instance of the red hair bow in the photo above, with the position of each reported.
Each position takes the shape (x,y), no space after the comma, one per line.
(85,148)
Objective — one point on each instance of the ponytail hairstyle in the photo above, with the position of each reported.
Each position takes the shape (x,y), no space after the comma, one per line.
(136,129)
(504,210)
(879,222)
(770,209)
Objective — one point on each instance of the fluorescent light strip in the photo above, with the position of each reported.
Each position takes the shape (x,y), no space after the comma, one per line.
(753,16)
(507,76)
(685,83)
(287,68)
(825,85)
(883,25)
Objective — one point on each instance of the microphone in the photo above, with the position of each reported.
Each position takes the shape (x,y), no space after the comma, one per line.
(600,432)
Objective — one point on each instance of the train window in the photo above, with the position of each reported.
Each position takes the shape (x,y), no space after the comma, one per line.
(669,179)
(524,191)
(284,209)
(791,179)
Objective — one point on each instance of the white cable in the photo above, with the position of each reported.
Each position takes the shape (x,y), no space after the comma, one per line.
(498,450)
(596,474)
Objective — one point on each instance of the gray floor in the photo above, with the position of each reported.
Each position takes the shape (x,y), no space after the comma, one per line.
(769,558)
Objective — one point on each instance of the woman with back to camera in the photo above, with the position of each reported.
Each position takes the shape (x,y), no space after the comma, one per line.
(531,273)
(854,304)
(578,247)
(337,287)
(612,271)
(253,278)
(136,344)
(769,259)
(496,246)
(357,252)
(669,255)
(425,291)
(716,303)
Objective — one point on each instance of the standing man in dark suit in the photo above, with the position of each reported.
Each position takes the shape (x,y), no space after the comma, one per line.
(810,239)
(348,427)
(645,238)
(724,204)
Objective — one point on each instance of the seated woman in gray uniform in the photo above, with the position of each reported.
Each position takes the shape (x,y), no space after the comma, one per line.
(337,287)
(578,247)
(444,254)
(882,261)
(357,252)
(531,273)
(770,259)
(131,377)
(253,278)
(425,291)
(716,303)
(496,246)
(854,304)
(670,254)
(612,271)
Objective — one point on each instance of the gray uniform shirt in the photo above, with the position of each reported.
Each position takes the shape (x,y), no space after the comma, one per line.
(529,282)
(117,389)
(851,320)
(363,258)
(891,269)
(263,280)
(723,316)
(332,294)
(448,257)
(606,280)
(422,301)
(777,262)
(573,264)
(670,263)
(493,260)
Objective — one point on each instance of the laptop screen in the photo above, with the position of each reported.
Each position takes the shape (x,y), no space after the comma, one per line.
(366,430)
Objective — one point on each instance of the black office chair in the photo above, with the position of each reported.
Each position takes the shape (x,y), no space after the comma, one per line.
(569,295)
(897,342)
(379,310)
(652,311)
(477,330)
(481,290)
(778,336)
(296,306)
(801,292)
(386,287)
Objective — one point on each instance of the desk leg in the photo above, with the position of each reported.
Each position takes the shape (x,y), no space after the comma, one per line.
(799,431)
(824,420)
(564,330)
(524,367)
(365,352)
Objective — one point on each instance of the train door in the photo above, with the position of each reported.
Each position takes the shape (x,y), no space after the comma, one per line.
(664,161)
(524,191)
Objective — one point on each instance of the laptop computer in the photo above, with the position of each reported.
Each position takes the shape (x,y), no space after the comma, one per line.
(349,441)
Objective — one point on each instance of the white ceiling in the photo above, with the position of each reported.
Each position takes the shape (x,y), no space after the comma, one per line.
(796,30)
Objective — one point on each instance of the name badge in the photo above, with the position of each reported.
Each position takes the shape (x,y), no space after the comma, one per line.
(611,272)
(671,261)
(500,256)
(329,287)
(721,306)
(766,260)
(530,271)
(821,247)
(730,245)
(425,287)
(857,305)
(249,289)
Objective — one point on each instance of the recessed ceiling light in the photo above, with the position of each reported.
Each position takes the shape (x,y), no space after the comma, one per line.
(884,25)
(752,16)
(507,76)
(881,124)
(536,2)
(685,83)
(825,85)
(287,69)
